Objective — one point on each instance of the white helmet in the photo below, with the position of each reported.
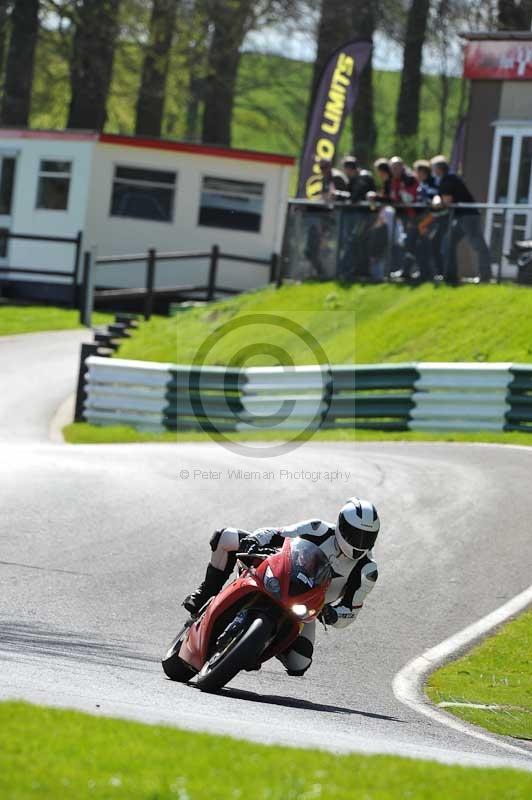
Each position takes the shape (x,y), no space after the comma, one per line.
(357,528)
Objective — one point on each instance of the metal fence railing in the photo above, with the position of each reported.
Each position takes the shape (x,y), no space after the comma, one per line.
(380,242)
(13,273)
(147,291)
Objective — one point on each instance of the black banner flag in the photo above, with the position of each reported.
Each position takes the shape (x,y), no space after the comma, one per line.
(335,96)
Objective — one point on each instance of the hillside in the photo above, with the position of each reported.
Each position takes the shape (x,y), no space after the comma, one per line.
(362,324)
(270,106)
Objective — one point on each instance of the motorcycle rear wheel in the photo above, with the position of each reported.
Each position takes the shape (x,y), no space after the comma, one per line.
(242,654)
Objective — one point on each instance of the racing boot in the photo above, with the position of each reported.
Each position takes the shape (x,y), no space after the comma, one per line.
(214,580)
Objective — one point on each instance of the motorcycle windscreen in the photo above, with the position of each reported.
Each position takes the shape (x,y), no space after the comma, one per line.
(309,567)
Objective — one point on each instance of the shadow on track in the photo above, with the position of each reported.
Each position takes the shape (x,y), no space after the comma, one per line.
(294,702)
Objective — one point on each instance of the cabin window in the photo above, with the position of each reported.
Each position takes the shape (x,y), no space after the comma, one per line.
(143,194)
(232,204)
(54,185)
(7,180)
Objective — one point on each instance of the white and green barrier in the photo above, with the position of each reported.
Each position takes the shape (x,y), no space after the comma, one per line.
(417,396)
(472,397)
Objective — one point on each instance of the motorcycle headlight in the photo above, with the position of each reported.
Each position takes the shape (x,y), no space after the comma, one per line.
(300,610)
(271,583)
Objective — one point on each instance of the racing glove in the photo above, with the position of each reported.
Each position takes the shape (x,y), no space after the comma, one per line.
(328,614)
(253,546)
(250,545)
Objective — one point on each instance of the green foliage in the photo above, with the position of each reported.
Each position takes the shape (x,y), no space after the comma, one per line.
(271,97)
(83,433)
(21,318)
(355,324)
(498,672)
(48,754)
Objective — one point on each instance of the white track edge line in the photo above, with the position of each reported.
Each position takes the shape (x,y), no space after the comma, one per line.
(408,682)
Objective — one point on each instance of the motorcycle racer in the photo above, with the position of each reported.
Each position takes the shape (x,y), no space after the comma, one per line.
(348,546)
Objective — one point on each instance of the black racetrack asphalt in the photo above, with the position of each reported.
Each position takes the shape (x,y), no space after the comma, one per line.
(99,544)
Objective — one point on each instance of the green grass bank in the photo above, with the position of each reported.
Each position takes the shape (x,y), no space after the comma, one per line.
(83,433)
(48,754)
(351,324)
(21,318)
(497,673)
(362,324)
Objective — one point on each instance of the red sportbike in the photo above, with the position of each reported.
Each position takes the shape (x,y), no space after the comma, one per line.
(254,618)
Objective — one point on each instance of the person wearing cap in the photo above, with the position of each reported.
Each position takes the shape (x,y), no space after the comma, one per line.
(465,222)
(358,221)
(334,181)
(381,168)
(403,183)
(403,186)
(359,182)
(431,226)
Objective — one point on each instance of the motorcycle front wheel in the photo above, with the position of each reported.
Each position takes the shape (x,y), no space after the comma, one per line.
(173,666)
(243,652)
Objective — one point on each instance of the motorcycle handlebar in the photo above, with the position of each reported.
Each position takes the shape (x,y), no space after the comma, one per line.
(253,556)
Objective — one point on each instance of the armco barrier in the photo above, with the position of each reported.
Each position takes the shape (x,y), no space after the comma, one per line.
(417,396)
(519,416)
(460,397)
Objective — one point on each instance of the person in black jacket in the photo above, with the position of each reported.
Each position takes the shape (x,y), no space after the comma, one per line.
(357,222)
(334,182)
(431,226)
(465,221)
(359,181)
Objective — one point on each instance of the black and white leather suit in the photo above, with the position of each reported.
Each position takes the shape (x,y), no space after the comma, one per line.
(351,584)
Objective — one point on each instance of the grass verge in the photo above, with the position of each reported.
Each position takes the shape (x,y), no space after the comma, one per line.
(496,673)
(47,753)
(353,324)
(83,433)
(15,319)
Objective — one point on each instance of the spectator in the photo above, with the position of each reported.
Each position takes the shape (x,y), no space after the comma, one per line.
(334,181)
(403,184)
(359,182)
(319,247)
(464,221)
(431,227)
(356,223)
(384,174)
(427,184)
(402,189)
(384,238)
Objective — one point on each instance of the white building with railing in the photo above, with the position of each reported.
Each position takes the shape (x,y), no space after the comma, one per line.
(126,194)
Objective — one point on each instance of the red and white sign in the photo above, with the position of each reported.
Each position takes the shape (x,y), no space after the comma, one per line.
(498,60)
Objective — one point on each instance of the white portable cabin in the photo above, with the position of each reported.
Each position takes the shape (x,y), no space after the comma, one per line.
(126,194)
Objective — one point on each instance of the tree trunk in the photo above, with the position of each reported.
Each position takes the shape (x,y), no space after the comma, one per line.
(444,100)
(92,63)
(514,16)
(150,103)
(407,115)
(334,29)
(231,20)
(196,65)
(4,6)
(16,100)
(195,93)
(364,15)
